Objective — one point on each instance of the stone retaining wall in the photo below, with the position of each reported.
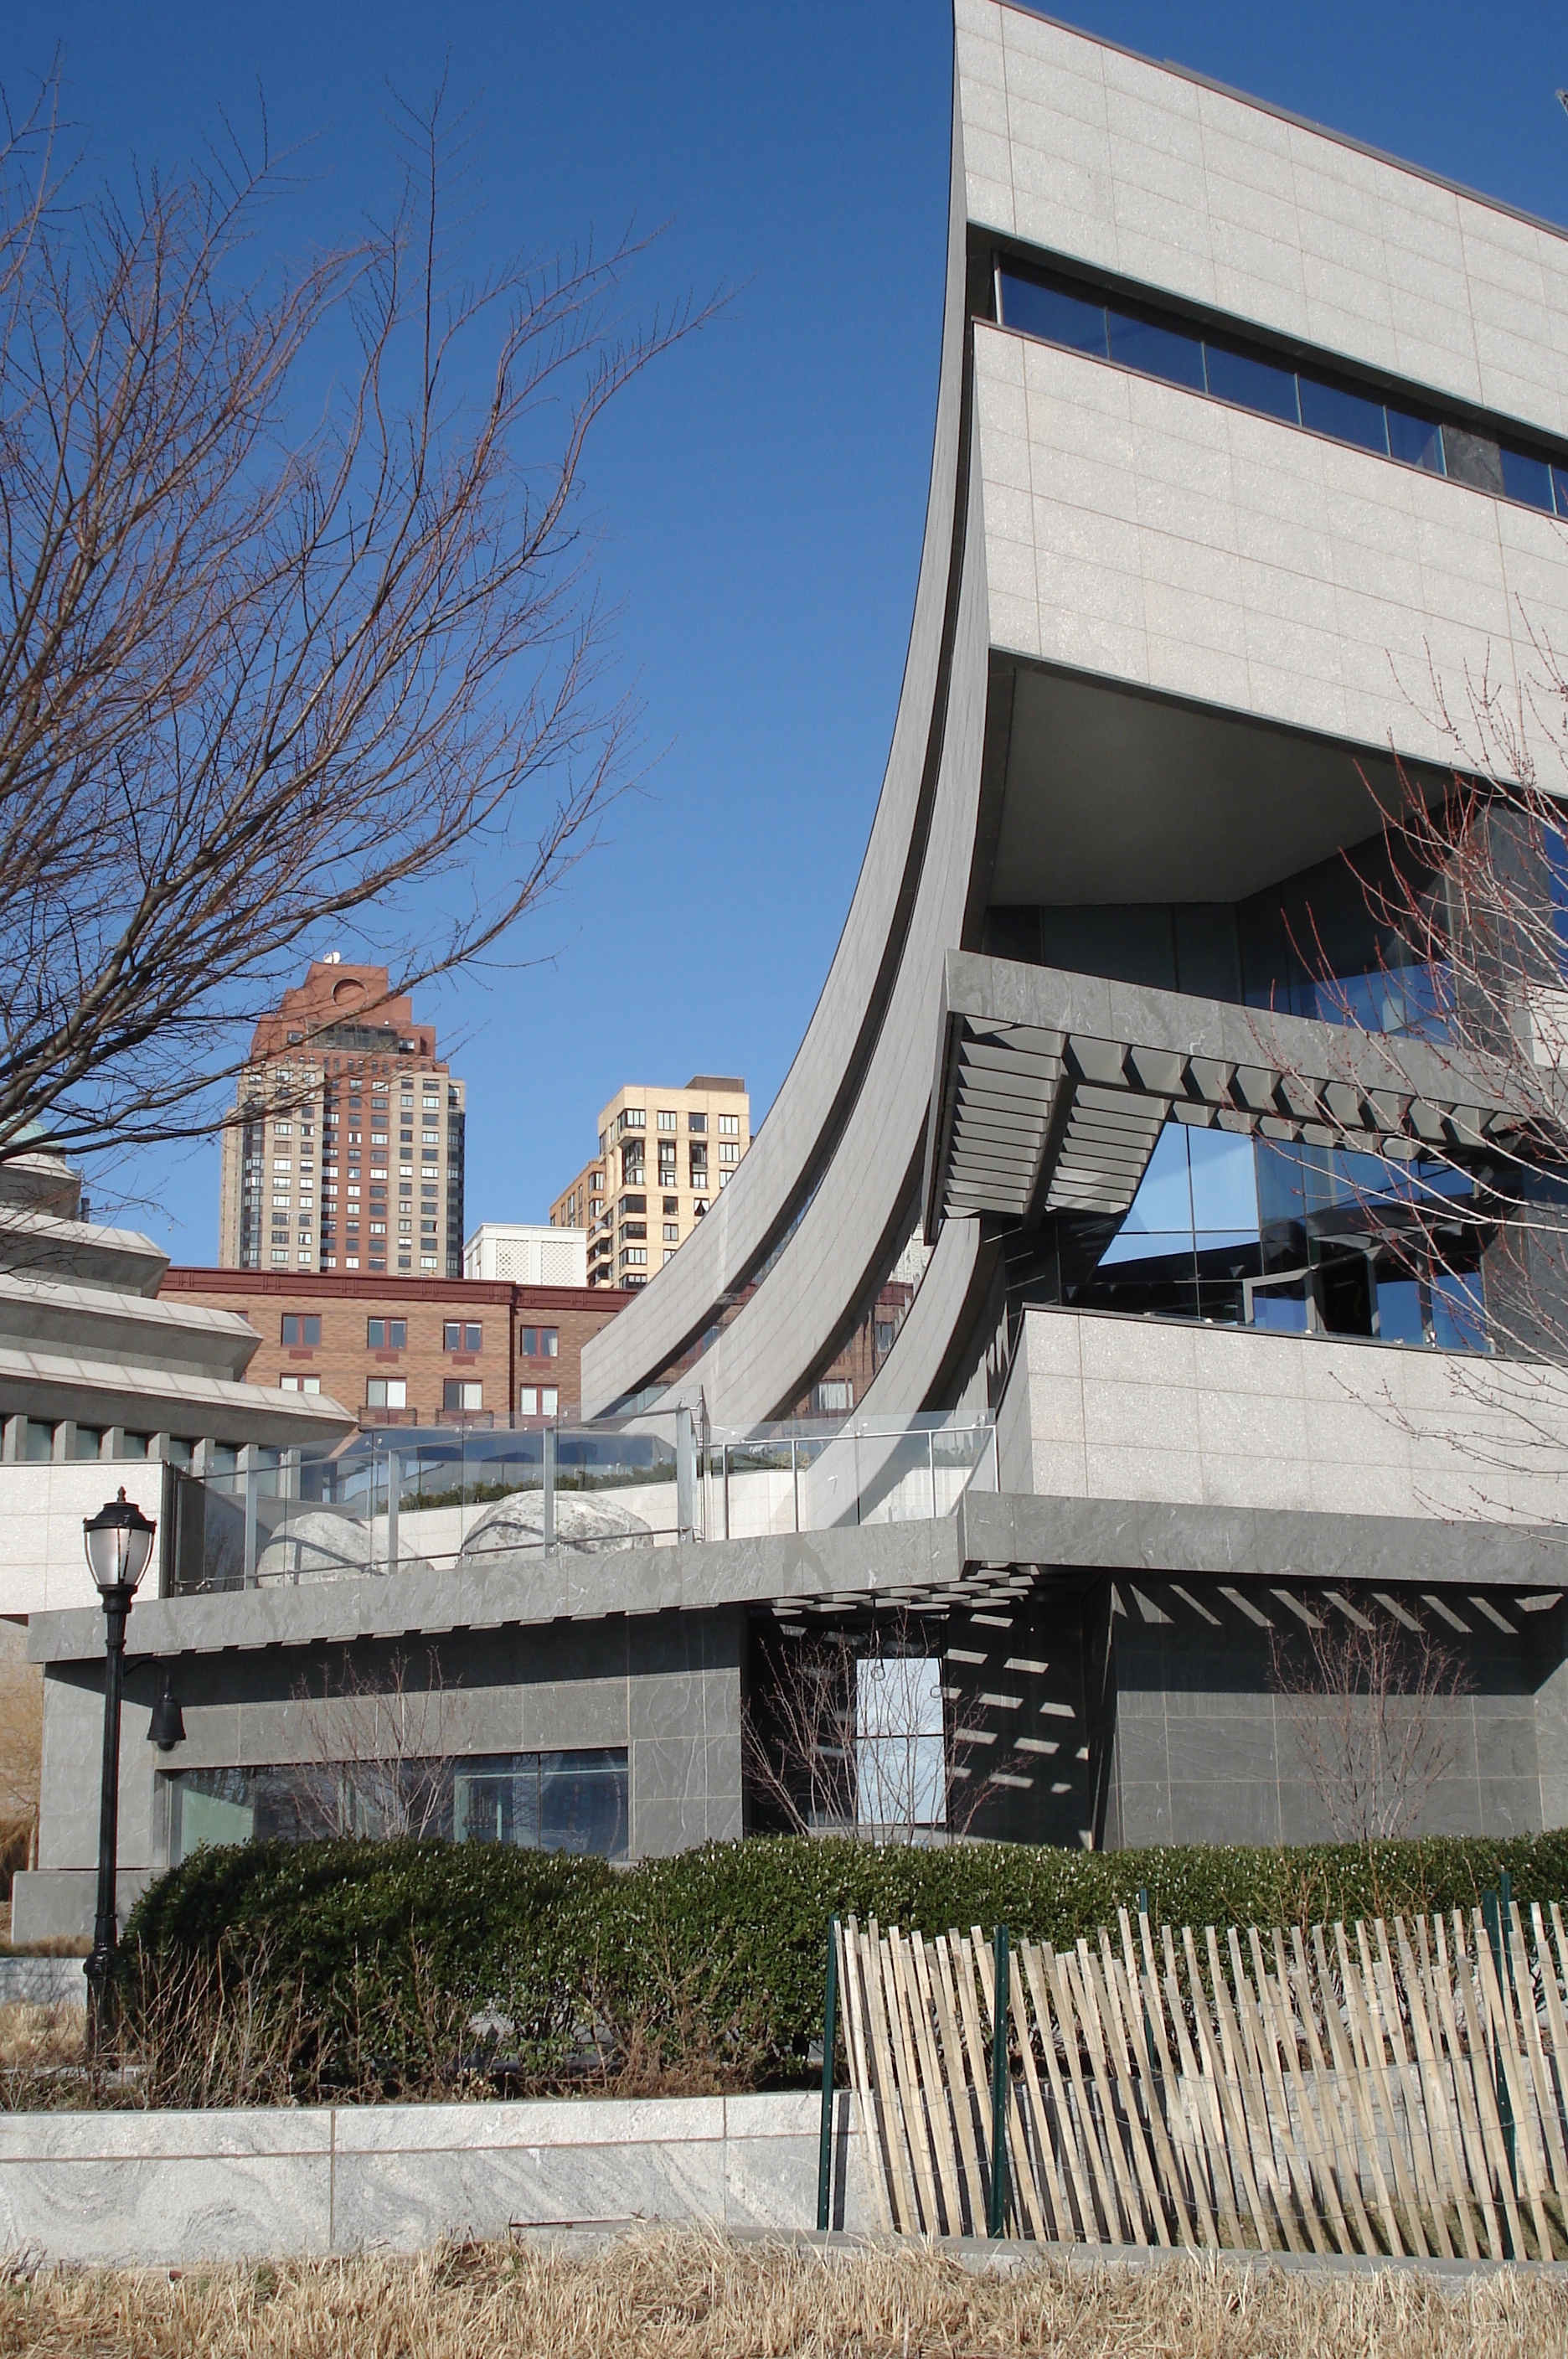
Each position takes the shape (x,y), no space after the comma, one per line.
(168,2190)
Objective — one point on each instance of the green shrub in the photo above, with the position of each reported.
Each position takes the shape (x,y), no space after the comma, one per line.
(732,1935)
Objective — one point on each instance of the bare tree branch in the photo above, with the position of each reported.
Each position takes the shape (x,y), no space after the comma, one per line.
(261,680)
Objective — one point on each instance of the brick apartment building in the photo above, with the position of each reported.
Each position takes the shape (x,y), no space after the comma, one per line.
(414,1350)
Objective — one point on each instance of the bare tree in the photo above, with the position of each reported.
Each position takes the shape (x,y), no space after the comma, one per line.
(853,1735)
(1369,1699)
(21,1751)
(380,1762)
(297,631)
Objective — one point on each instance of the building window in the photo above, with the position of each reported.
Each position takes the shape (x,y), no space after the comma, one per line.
(834,1398)
(697,1124)
(528,1401)
(634,1204)
(668,1118)
(729,1125)
(671,1207)
(670,1252)
(386,1392)
(461,1392)
(633,1228)
(540,1342)
(728,1153)
(300,1328)
(633,1118)
(672,1232)
(459,1336)
(526,1801)
(699,1166)
(385,1335)
(634,1257)
(298,1384)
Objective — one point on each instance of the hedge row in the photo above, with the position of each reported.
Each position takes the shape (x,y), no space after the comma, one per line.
(729,1938)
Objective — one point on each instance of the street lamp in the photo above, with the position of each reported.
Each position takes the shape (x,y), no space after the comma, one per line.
(119,1545)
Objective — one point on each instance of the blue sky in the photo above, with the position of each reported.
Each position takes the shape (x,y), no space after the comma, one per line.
(761,494)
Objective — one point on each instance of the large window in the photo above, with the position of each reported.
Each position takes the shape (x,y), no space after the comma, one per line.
(385,1335)
(301,1328)
(461,1335)
(542,1343)
(460,1392)
(386,1392)
(1233,1230)
(532,1801)
(1069,314)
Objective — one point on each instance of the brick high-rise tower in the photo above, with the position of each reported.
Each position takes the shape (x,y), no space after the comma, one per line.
(343,1148)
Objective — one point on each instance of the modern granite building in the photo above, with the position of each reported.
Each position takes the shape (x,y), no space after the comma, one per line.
(1244,435)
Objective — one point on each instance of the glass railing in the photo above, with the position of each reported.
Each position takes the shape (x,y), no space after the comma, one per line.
(396,1499)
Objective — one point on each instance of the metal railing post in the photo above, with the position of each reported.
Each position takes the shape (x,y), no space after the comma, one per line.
(996,2224)
(393,1500)
(795,1482)
(725,1450)
(685,1473)
(546,1531)
(252,1477)
(855,1449)
(829,2036)
(930,1453)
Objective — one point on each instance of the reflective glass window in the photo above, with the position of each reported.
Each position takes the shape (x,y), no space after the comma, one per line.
(1251,382)
(1560,489)
(1458,1319)
(1527,480)
(1170,353)
(1415,441)
(583,1802)
(1348,417)
(1053,315)
(1473,459)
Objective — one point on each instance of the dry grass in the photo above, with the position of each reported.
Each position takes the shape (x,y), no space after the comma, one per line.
(689,2296)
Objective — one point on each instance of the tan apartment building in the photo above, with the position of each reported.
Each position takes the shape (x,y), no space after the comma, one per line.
(415,1351)
(664,1156)
(344,1150)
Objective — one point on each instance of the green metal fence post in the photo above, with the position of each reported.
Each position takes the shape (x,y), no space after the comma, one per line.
(830,2037)
(999,2091)
(1496,1933)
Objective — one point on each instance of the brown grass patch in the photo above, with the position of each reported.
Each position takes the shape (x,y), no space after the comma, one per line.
(689,2296)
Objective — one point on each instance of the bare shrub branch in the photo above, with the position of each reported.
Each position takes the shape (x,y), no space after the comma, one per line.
(1368,1702)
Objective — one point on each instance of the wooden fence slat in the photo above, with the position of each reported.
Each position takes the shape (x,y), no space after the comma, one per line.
(1100,1982)
(1448,2178)
(1322,2149)
(1236,2138)
(1075,2042)
(1021,2192)
(1256,2016)
(1134,2035)
(1344,2048)
(1485,2088)
(1472,2125)
(849,1977)
(1189,2141)
(1401,2081)
(1498,1998)
(1367,2016)
(902,2012)
(1336,2111)
(1019,1984)
(1551,2171)
(1040,1988)
(1299,2143)
(963,1955)
(939,2096)
(892,2106)
(1249,2103)
(1209,2113)
(971,2177)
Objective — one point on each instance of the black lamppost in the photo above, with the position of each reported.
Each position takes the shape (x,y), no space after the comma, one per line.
(119,1545)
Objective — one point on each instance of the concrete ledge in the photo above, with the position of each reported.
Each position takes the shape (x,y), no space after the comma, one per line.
(42,1982)
(169,2189)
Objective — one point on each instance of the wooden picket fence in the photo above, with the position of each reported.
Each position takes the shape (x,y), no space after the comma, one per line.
(1349,2092)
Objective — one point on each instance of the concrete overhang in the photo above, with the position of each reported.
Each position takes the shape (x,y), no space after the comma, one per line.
(991,1550)
(106,1323)
(50,1386)
(1051,1089)
(40,1244)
